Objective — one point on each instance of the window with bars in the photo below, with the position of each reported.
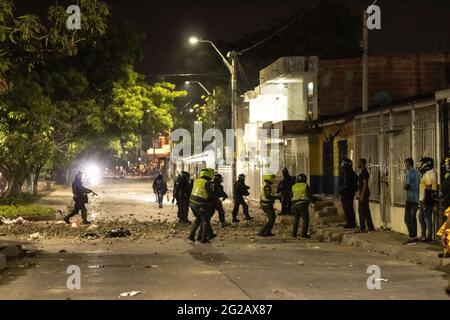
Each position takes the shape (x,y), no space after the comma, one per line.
(425,133)
(400,150)
(366,147)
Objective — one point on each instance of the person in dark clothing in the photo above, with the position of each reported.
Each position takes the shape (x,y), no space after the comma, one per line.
(220,194)
(347,191)
(444,195)
(160,189)
(267,199)
(181,193)
(80,196)
(364,196)
(301,198)
(284,188)
(240,191)
(202,202)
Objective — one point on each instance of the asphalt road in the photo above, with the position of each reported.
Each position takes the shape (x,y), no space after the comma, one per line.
(229,268)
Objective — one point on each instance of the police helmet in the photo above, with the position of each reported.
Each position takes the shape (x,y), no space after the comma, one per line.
(218,177)
(269,177)
(241,177)
(301,178)
(207,174)
(447,162)
(425,164)
(285,172)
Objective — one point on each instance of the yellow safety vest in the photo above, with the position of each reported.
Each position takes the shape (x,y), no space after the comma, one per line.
(262,195)
(444,232)
(199,190)
(299,192)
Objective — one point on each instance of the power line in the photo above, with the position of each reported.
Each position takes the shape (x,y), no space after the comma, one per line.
(301,15)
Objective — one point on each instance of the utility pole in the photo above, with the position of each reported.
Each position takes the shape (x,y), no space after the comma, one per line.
(234,116)
(365,64)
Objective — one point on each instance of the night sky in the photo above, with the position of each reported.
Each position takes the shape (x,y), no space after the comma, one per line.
(407,26)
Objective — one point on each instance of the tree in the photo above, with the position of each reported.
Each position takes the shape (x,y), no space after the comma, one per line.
(26,111)
(214,112)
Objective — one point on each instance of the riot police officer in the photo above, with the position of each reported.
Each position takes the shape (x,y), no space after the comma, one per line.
(267,199)
(240,191)
(284,189)
(181,193)
(220,194)
(202,202)
(80,196)
(301,198)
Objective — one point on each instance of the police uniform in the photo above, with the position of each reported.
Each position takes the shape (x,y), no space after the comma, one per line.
(202,201)
(219,193)
(240,191)
(80,196)
(267,199)
(301,198)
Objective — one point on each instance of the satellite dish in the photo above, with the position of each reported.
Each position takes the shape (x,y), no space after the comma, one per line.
(383,98)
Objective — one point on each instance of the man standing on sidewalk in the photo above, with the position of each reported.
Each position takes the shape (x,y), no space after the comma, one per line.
(364,196)
(412,183)
(348,190)
(428,187)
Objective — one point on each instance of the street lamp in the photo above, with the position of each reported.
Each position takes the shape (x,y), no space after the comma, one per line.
(200,84)
(231,66)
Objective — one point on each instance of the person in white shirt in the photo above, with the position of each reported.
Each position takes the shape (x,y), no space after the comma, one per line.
(428,187)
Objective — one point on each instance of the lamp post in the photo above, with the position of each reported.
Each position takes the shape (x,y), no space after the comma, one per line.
(231,66)
(200,84)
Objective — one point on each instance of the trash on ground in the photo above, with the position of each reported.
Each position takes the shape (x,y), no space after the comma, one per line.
(19,221)
(97,266)
(130,294)
(91,235)
(34,236)
(120,233)
(301,263)
(92,227)
(381,280)
(62,251)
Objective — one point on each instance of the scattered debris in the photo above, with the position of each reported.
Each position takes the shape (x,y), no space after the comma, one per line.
(62,251)
(17,221)
(301,263)
(91,236)
(130,294)
(97,266)
(92,227)
(382,280)
(120,233)
(34,236)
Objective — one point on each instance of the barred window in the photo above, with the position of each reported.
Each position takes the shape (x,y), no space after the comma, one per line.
(366,147)
(425,133)
(401,143)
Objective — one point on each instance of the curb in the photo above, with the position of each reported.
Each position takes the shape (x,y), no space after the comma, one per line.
(349,238)
(2,262)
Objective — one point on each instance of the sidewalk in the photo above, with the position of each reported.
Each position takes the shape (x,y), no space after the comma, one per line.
(385,242)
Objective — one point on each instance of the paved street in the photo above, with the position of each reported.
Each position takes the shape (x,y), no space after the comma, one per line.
(234,266)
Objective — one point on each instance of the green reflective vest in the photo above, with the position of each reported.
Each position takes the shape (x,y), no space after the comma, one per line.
(299,193)
(199,190)
(262,195)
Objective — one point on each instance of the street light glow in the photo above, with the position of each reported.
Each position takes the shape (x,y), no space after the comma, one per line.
(187,82)
(193,40)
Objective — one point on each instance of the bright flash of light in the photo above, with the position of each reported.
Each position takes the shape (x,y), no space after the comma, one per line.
(93,174)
